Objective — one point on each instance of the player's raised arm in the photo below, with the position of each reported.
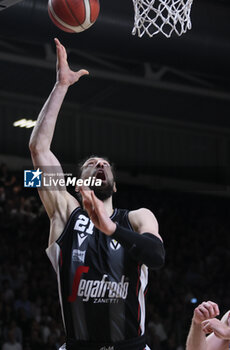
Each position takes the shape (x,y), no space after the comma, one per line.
(42,134)
(43,131)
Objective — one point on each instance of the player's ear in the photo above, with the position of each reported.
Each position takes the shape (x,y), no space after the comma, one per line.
(114,187)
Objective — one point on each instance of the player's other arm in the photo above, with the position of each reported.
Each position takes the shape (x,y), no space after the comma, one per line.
(42,134)
(145,245)
(143,220)
(147,242)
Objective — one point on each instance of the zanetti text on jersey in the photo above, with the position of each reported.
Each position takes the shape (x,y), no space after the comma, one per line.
(98,290)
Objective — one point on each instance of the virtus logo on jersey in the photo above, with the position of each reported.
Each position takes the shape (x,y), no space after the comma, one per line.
(101,291)
(114,244)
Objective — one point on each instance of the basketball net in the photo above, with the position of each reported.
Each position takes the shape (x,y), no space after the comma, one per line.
(161,16)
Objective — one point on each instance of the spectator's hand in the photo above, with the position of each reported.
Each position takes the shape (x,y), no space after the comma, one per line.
(205,311)
(96,211)
(220,329)
(65,76)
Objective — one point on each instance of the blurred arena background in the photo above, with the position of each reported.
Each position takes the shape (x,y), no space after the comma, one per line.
(159,109)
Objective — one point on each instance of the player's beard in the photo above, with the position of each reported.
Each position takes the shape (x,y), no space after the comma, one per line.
(103,192)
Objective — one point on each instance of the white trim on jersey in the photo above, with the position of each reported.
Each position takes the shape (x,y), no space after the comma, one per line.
(53,252)
(141,296)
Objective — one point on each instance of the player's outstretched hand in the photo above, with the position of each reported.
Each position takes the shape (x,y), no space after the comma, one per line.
(220,329)
(96,211)
(65,76)
(205,311)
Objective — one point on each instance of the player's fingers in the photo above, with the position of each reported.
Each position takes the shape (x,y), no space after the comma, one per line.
(85,192)
(95,202)
(64,53)
(59,56)
(87,201)
(206,326)
(94,198)
(85,188)
(58,48)
(205,311)
(215,308)
(87,205)
(209,306)
(57,42)
(82,72)
(98,205)
(59,45)
(207,330)
(198,313)
(61,52)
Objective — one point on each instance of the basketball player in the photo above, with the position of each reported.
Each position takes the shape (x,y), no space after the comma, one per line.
(101,255)
(204,322)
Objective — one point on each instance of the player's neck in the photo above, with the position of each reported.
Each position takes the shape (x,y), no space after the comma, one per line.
(108,203)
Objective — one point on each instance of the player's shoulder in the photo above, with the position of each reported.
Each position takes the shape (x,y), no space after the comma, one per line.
(141,212)
(136,217)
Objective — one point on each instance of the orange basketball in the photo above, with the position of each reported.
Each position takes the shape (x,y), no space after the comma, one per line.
(73,16)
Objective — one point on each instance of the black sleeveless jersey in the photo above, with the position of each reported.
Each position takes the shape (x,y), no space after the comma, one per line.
(101,287)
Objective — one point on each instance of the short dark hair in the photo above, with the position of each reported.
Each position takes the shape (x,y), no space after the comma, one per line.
(82,162)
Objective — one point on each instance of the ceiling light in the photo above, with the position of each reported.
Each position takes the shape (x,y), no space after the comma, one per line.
(24,123)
